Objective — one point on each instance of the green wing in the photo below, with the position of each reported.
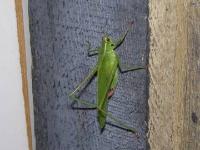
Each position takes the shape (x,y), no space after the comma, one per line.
(106,76)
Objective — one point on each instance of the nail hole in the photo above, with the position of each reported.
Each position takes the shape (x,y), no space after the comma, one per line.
(194,117)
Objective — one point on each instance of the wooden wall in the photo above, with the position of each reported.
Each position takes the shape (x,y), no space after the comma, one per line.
(174,65)
(60,30)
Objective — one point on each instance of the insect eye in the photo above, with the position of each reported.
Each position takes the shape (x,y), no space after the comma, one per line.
(108,40)
(112,44)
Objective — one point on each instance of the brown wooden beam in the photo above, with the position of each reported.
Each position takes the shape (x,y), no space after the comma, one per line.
(22,50)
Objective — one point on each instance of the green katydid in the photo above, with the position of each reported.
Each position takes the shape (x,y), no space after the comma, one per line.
(107,77)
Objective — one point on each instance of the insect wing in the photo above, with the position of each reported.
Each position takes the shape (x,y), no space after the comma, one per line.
(105,76)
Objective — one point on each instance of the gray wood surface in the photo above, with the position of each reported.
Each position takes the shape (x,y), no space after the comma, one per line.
(59,31)
(174,66)
(191,127)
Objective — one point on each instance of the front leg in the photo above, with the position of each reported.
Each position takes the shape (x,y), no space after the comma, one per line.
(122,37)
(92,52)
(120,40)
(126,68)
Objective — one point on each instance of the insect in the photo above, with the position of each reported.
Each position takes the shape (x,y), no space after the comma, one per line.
(106,70)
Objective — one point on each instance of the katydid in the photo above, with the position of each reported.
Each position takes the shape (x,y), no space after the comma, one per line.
(106,71)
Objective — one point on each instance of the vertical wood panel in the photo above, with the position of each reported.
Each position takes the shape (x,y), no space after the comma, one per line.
(191,131)
(174,75)
(60,30)
(22,51)
(162,21)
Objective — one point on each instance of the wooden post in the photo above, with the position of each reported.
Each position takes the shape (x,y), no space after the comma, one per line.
(22,51)
(174,75)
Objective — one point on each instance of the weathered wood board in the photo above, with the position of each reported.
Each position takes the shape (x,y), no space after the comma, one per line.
(174,65)
(59,31)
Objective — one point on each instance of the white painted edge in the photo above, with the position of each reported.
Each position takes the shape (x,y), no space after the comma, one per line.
(29,66)
(13,129)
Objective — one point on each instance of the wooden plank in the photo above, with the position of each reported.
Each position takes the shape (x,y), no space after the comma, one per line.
(22,51)
(59,31)
(162,21)
(191,130)
(174,75)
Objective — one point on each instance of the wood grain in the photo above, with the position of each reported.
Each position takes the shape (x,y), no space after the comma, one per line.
(22,51)
(191,130)
(174,75)
(60,30)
